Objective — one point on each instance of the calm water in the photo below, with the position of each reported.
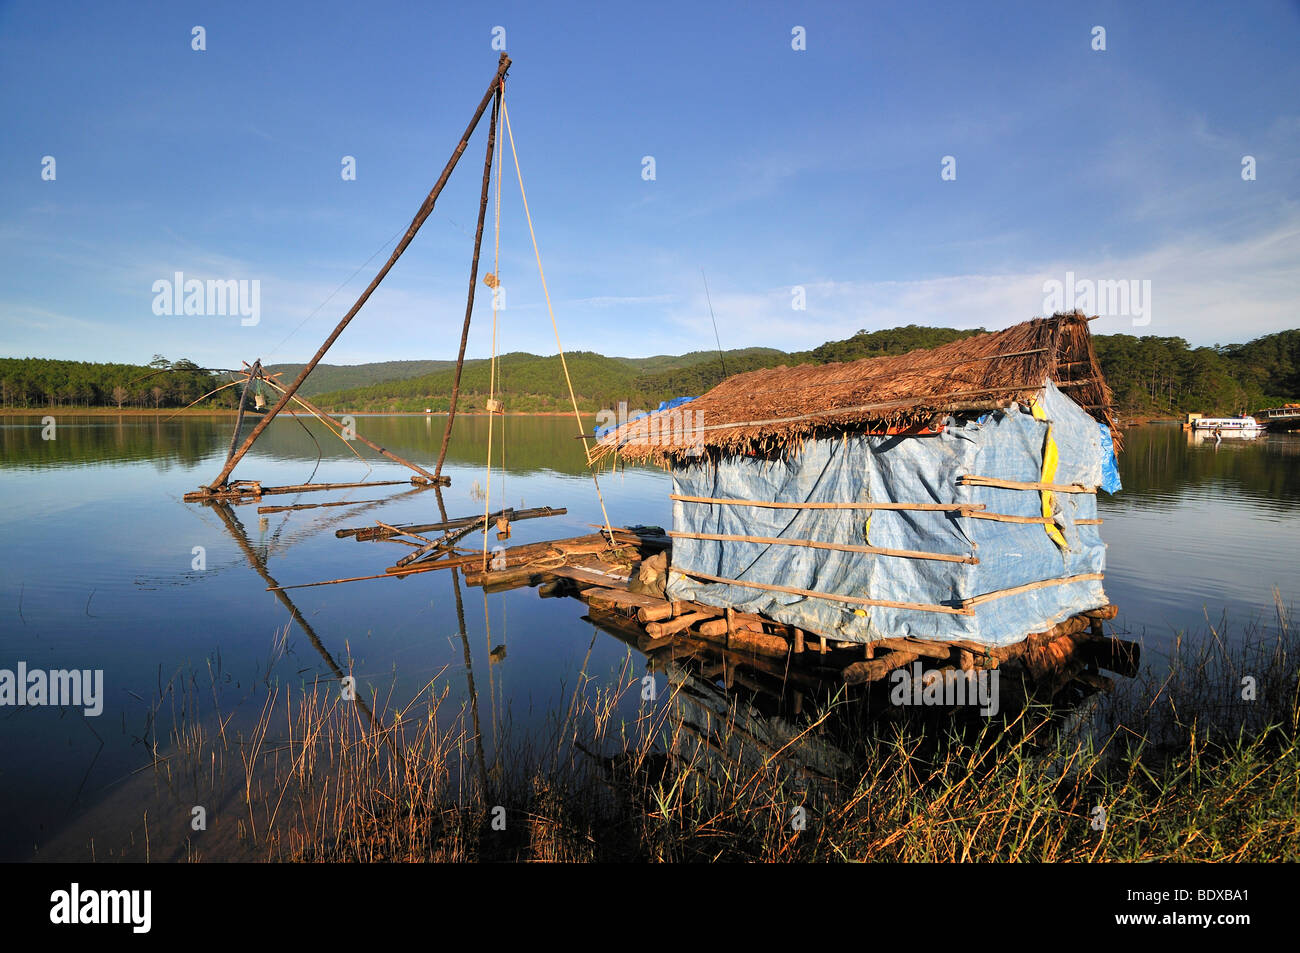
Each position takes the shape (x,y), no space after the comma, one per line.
(98,574)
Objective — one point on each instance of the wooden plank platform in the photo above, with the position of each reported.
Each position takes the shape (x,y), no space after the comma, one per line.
(591,569)
(593,576)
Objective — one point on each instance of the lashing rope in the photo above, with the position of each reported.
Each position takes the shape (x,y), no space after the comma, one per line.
(551,312)
(492,374)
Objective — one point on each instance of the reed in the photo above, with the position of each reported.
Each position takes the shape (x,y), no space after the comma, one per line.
(1182,763)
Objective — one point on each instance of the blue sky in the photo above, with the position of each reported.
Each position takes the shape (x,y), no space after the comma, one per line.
(774,168)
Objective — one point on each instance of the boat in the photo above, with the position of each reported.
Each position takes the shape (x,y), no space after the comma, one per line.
(1228,426)
(1216,437)
(1286,417)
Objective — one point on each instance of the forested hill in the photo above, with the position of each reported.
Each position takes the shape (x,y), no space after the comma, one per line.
(329,377)
(1150,376)
(1155,375)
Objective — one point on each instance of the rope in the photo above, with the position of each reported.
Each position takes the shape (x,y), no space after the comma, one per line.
(492,374)
(551,311)
(328,426)
(330,297)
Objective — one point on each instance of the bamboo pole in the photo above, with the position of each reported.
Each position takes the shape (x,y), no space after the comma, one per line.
(834,597)
(473,280)
(367,533)
(956,507)
(397,532)
(311,506)
(1039,520)
(838,547)
(1008,518)
(1029,587)
(243,403)
(234,493)
(972,480)
(426,209)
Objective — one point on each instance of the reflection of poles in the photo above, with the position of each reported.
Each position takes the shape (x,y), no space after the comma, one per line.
(469,663)
(492,691)
(237,532)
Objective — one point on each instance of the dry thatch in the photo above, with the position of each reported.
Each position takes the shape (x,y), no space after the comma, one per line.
(770,411)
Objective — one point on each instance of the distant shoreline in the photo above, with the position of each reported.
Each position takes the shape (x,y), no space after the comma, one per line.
(1126,421)
(230,412)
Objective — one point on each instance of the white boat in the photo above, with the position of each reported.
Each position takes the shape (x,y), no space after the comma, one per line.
(1216,437)
(1228,425)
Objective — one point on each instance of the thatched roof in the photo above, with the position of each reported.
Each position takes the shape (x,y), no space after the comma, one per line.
(772,410)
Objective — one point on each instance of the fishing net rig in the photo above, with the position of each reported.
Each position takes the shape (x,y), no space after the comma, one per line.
(262,385)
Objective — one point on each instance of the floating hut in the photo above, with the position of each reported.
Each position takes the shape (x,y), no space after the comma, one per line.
(941,496)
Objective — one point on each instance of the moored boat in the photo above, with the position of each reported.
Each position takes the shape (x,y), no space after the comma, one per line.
(1227,425)
(1286,417)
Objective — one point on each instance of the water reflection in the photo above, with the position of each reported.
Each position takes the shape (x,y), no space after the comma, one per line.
(535,444)
(97,574)
(768,715)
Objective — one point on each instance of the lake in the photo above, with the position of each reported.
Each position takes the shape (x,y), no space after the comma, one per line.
(104,567)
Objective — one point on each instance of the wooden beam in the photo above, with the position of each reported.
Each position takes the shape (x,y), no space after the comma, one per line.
(367,533)
(956,507)
(256,490)
(972,480)
(834,597)
(262,510)
(838,547)
(1029,587)
(473,279)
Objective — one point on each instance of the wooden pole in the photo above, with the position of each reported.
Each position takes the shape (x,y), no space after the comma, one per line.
(1029,587)
(972,480)
(959,507)
(834,597)
(473,280)
(243,402)
(838,547)
(366,533)
(426,208)
(313,506)
(234,493)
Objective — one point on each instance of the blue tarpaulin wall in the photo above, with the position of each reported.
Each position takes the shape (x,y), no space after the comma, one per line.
(1007,445)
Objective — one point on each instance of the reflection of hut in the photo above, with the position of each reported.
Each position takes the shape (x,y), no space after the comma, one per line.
(947,494)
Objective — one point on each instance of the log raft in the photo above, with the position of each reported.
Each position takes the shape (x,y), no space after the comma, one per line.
(600,571)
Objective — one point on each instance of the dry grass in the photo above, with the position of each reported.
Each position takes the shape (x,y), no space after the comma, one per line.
(771,410)
(1182,765)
